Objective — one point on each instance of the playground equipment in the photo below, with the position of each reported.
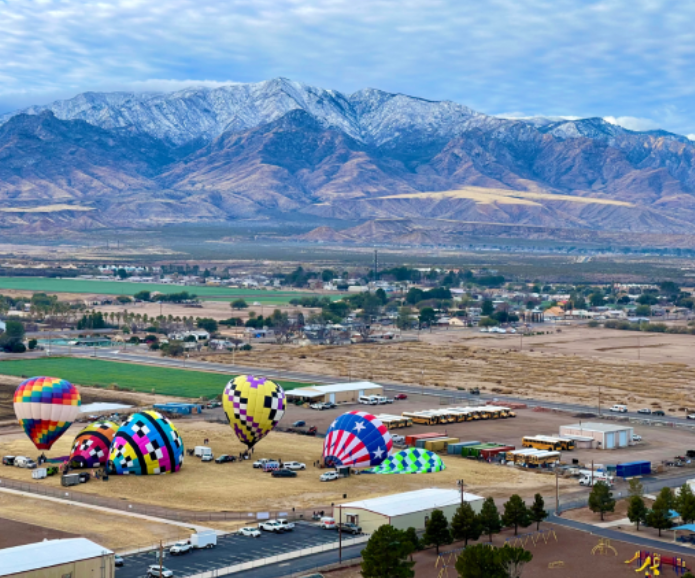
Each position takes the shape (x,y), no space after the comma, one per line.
(558,564)
(603,547)
(521,540)
(651,563)
(447,560)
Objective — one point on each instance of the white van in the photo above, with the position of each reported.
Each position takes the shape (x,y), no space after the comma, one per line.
(381,400)
(589,480)
(619,408)
(368,399)
(24,462)
(201,451)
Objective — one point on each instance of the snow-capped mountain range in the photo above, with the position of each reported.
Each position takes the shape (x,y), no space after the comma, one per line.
(279,146)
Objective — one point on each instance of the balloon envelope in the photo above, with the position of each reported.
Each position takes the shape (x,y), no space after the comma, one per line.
(148,443)
(254,406)
(356,439)
(45,408)
(410,461)
(91,446)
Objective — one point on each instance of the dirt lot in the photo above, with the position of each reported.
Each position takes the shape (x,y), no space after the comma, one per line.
(569,366)
(659,443)
(37,518)
(238,487)
(18,533)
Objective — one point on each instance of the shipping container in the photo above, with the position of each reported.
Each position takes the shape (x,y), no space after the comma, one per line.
(439,445)
(631,469)
(474,451)
(421,443)
(410,440)
(458,446)
(493,452)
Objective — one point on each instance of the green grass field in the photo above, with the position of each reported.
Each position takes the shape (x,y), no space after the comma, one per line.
(144,378)
(48,285)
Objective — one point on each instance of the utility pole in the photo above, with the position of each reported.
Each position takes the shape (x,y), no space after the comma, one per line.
(462,486)
(599,400)
(376,265)
(161,554)
(557,492)
(340,533)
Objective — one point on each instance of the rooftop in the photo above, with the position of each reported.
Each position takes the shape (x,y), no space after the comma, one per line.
(316,390)
(48,553)
(595,426)
(417,501)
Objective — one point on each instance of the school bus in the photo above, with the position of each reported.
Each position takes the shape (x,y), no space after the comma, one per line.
(394,421)
(422,418)
(547,443)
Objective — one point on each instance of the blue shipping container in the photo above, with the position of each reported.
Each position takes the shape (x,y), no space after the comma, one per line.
(631,469)
(456,448)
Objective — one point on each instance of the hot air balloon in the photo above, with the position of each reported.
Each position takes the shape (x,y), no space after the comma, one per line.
(410,461)
(91,446)
(254,406)
(147,443)
(356,439)
(45,408)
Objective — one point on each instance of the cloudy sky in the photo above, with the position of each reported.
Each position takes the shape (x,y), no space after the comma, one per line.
(630,60)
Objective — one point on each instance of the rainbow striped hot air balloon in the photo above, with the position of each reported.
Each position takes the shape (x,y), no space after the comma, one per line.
(45,408)
(254,406)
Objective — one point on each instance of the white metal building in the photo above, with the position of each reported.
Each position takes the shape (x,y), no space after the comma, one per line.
(73,557)
(336,392)
(606,435)
(402,511)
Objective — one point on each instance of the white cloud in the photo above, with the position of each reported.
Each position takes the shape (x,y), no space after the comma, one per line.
(691,136)
(633,123)
(581,58)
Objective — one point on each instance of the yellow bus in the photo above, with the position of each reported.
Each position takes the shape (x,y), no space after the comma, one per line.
(541,442)
(422,418)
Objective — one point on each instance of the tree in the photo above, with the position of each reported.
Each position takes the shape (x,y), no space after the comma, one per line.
(597,299)
(643,310)
(404,319)
(414,296)
(490,522)
(437,530)
(601,499)
(12,337)
(122,273)
(32,343)
(647,299)
(516,513)
(488,322)
(238,304)
(479,561)
(142,296)
(636,510)
(685,504)
(411,536)
(488,308)
(512,560)
(386,554)
(123,299)
(427,316)
(537,511)
(635,488)
(659,516)
(209,325)
(465,524)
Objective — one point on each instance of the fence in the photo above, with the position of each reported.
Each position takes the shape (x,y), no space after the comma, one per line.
(155,511)
(280,558)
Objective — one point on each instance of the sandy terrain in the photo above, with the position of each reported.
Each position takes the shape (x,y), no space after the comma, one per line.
(238,487)
(109,529)
(18,533)
(458,361)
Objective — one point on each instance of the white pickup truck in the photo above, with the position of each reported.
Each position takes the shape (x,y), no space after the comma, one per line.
(271,526)
(180,548)
(287,525)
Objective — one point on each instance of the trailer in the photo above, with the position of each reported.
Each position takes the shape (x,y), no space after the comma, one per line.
(632,469)
(204,539)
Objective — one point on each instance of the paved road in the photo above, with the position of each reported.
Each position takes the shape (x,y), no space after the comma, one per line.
(135,357)
(233,549)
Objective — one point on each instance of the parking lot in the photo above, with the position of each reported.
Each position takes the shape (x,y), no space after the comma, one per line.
(230,550)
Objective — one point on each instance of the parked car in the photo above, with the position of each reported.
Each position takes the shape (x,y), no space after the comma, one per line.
(153,572)
(84,477)
(329,476)
(317,406)
(118,560)
(619,408)
(300,423)
(636,438)
(8,461)
(260,463)
(400,396)
(689,416)
(327,523)
(224,458)
(474,391)
(287,525)
(644,410)
(207,457)
(271,526)
(295,466)
(329,405)
(659,413)
(350,528)
(284,474)
(398,439)
(250,532)
(180,548)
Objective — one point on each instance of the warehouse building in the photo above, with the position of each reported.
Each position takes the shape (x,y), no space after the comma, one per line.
(336,393)
(402,511)
(607,436)
(73,557)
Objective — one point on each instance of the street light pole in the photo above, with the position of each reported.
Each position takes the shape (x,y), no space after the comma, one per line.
(340,533)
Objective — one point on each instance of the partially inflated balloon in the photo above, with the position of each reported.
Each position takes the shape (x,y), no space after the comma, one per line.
(148,443)
(356,439)
(45,408)
(410,461)
(91,446)
(254,406)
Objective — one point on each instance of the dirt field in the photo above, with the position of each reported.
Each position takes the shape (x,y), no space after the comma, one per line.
(571,371)
(18,533)
(659,443)
(237,487)
(37,518)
